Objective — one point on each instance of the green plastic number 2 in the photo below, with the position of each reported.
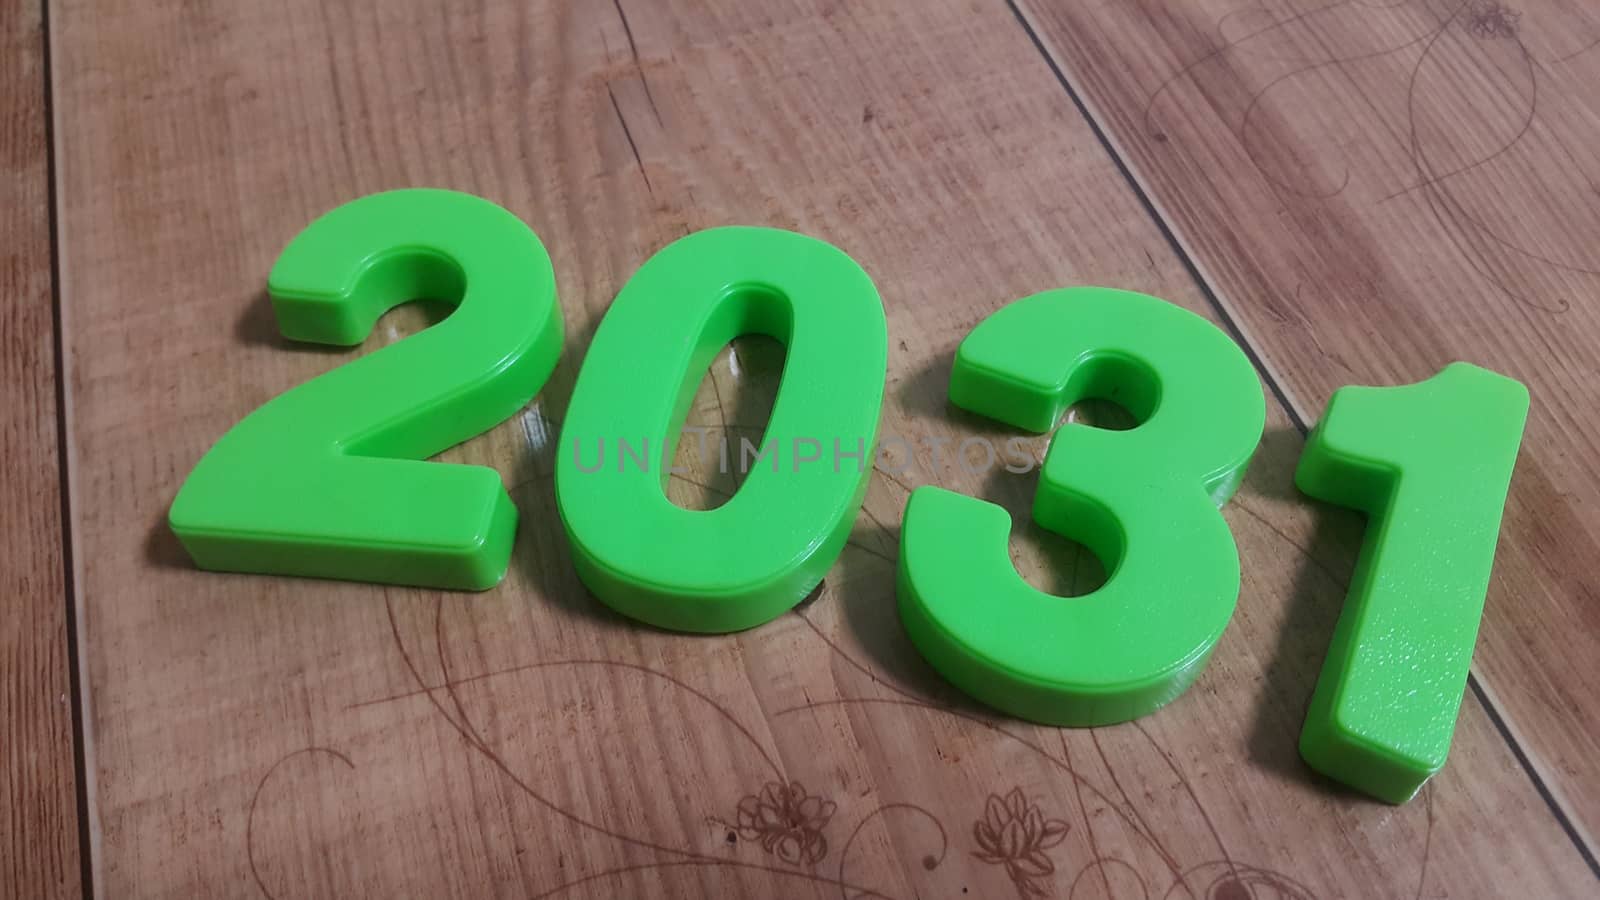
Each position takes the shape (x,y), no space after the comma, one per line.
(1144,501)
(762,551)
(327,480)
(1430,464)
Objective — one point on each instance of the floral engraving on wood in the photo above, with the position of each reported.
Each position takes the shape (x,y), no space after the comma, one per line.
(1014,833)
(786,821)
(1488,20)
(1011,835)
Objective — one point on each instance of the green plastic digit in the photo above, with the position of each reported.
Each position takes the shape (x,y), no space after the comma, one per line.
(1144,500)
(762,551)
(327,480)
(1430,464)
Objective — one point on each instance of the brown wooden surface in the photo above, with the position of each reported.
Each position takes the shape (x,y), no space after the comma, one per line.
(1374,190)
(287,738)
(38,804)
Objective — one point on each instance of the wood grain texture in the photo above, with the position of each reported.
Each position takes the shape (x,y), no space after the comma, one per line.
(38,799)
(1377,189)
(288,738)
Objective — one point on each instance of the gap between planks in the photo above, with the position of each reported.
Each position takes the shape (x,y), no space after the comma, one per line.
(87,856)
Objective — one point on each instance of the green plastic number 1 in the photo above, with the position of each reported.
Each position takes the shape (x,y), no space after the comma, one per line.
(1144,500)
(326,479)
(1430,464)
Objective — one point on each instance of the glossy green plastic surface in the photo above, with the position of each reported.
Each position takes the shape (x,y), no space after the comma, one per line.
(761,552)
(327,480)
(1144,500)
(1430,464)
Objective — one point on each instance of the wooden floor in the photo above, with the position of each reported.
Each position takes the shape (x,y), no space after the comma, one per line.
(1359,191)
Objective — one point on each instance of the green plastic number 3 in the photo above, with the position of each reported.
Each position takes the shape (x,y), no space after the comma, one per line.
(1144,500)
(327,480)
(1430,464)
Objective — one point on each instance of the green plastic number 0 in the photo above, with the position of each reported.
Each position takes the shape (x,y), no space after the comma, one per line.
(325,480)
(1144,500)
(760,553)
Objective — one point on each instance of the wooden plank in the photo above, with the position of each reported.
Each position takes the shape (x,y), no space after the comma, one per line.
(299,738)
(1374,191)
(39,808)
